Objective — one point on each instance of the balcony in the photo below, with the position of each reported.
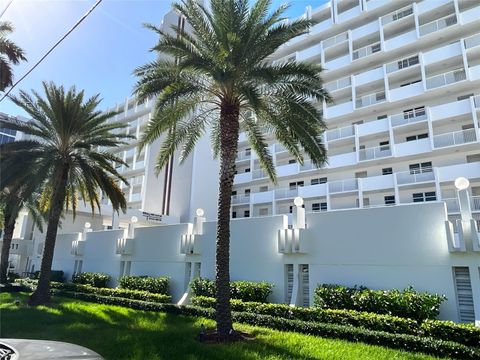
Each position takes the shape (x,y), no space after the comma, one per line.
(240,199)
(349,14)
(476,102)
(454,138)
(450,77)
(369,76)
(470,15)
(307,165)
(243,156)
(475,203)
(472,41)
(442,53)
(415,176)
(320,27)
(338,39)
(337,63)
(370,99)
(340,133)
(408,91)
(408,117)
(416,147)
(124,246)
(244,177)
(397,15)
(259,174)
(367,50)
(402,64)
(450,110)
(339,110)
(437,25)
(262,197)
(342,186)
(286,193)
(376,152)
(339,84)
(309,53)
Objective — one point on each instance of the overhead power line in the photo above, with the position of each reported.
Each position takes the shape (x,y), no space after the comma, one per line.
(6,7)
(52,48)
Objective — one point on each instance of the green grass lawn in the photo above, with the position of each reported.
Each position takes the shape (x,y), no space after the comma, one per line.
(121,333)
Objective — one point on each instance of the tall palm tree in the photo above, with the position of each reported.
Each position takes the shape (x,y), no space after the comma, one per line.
(220,77)
(67,147)
(9,54)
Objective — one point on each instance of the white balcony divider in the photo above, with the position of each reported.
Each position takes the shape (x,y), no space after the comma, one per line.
(438,24)
(335,40)
(397,15)
(402,64)
(241,199)
(258,174)
(472,41)
(454,138)
(408,117)
(446,78)
(475,203)
(370,99)
(376,152)
(452,205)
(286,193)
(340,133)
(343,185)
(367,50)
(415,176)
(338,84)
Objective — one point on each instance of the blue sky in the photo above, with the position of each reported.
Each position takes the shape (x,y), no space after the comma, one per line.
(100,55)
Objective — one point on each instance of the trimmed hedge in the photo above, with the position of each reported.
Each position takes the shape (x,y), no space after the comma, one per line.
(157,285)
(98,280)
(55,275)
(396,341)
(443,330)
(407,303)
(241,290)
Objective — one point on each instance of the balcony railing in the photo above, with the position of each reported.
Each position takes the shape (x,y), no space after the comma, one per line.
(343,186)
(454,138)
(438,24)
(286,193)
(335,40)
(340,133)
(258,174)
(376,152)
(243,156)
(452,205)
(397,15)
(402,64)
(446,78)
(476,101)
(367,50)
(370,99)
(279,148)
(339,84)
(415,176)
(307,165)
(408,117)
(472,41)
(241,199)
(475,203)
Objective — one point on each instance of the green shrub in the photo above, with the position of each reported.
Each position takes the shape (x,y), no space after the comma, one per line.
(98,280)
(396,341)
(241,290)
(157,285)
(407,303)
(466,334)
(55,275)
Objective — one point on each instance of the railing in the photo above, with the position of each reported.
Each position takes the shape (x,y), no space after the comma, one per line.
(286,193)
(472,41)
(243,156)
(339,84)
(240,199)
(454,138)
(397,15)
(367,50)
(136,197)
(476,101)
(279,148)
(475,203)
(376,152)
(307,165)
(415,176)
(335,40)
(258,174)
(370,99)
(139,164)
(452,205)
(340,133)
(343,186)
(438,24)
(282,210)
(402,64)
(408,117)
(446,78)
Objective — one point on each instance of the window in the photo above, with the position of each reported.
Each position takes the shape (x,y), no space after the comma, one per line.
(410,83)
(234,192)
(263,188)
(296,184)
(412,113)
(389,200)
(420,167)
(463,97)
(247,192)
(408,61)
(417,137)
(263,212)
(292,161)
(422,197)
(234,214)
(473,158)
(358,122)
(248,151)
(360,174)
(247,170)
(380,117)
(317,181)
(384,145)
(246,213)
(387,171)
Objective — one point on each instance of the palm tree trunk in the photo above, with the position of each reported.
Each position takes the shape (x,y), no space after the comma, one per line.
(41,295)
(229,131)
(7,242)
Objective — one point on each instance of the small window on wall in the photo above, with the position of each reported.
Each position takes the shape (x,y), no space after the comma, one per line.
(246,213)
(463,97)
(234,214)
(473,158)
(417,137)
(263,188)
(292,161)
(247,170)
(389,200)
(422,197)
(317,181)
(316,207)
(263,212)
(387,171)
(248,151)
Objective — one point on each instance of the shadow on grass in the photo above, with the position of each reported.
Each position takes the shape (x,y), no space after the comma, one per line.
(121,333)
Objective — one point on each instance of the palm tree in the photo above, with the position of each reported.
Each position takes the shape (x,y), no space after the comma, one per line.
(220,77)
(9,54)
(68,136)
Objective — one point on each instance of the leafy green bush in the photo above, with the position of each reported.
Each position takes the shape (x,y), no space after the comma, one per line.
(407,303)
(98,280)
(396,341)
(55,275)
(157,285)
(241,290)
(466,334)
